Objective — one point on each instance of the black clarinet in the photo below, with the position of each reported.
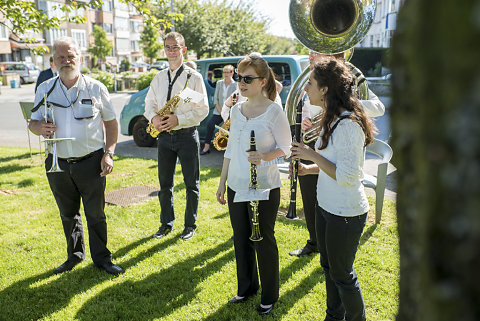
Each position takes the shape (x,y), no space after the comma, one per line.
(254,185)
(292,208)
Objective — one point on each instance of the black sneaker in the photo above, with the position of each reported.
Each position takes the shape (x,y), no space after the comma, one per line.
(188,233)
(307,250)
(162,231)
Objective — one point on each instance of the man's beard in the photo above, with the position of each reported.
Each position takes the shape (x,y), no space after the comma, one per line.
(69,72)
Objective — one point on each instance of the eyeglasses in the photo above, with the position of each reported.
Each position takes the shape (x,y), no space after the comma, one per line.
(246,79)
(172,48)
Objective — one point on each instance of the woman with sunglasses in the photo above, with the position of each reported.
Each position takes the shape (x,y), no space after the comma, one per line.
(342,205)
(272,132)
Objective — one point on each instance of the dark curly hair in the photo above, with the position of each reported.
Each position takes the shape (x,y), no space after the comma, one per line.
(335,74)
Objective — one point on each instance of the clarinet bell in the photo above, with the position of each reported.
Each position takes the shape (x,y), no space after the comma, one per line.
(292,213)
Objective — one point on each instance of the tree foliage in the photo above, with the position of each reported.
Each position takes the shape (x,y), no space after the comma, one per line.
(215,28)
(24,19)
(279,45)
(150,42)
(102,46)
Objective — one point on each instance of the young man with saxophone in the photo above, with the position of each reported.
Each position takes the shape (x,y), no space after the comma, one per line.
(81,110)
(178,136)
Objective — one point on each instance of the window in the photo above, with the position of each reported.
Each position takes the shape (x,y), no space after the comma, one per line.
(107,6)
(123,45)
(121,23)
(3,32)
(282,72)
(108,27)
(54,34)
(134,45)
(80,38)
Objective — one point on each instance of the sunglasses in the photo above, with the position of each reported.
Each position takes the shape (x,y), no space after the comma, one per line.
(246,79)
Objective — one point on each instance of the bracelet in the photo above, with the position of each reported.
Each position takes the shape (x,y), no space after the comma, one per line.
(109,153)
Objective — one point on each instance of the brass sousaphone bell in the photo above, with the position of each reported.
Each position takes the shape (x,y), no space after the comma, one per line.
(327,27)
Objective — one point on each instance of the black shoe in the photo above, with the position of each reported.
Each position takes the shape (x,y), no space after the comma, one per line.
(110,268)
(263,311)
(236,300)
(162,231)
(67,265)
(188,233)
(205,152)
(306,250)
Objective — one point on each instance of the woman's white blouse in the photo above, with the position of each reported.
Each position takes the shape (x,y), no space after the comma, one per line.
(346,195)
(272,131)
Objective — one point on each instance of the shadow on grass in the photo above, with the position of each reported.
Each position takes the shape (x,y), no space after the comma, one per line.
(160,293)
(26,182)
(42,300)
(247,311)
(10,158)
(367,234)
(12,168)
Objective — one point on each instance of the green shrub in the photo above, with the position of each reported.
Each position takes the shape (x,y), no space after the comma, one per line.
(125,65)
(144,79)
(85,70)
(95,70)
(105,78)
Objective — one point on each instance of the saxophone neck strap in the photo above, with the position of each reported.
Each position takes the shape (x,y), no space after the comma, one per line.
(171,82)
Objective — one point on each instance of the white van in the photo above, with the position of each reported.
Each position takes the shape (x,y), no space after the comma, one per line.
(27,71)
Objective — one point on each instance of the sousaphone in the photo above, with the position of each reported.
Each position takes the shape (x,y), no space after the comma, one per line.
(328,27)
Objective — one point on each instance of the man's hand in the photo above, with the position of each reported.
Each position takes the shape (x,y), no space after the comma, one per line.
(106,165)
(167,123)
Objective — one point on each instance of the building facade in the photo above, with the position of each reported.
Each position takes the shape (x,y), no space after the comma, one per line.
(120,21)
(383,27)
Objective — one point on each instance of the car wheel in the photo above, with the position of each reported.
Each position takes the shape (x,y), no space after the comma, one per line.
(22,81)
(140,135)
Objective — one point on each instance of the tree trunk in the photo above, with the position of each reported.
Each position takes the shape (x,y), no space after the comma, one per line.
(436,141)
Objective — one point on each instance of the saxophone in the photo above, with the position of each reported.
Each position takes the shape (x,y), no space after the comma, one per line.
(220,140)
(169,108)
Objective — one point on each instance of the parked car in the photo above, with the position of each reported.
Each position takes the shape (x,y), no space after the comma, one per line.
(140,66)
(132,122)
(159,65)
(27,71)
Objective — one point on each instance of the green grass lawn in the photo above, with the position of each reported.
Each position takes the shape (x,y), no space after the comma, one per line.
(166,279)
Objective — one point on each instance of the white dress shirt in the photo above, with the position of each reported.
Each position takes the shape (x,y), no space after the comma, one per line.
(88,97)
(272,131)
(346,195)
(373,107)
(188,114)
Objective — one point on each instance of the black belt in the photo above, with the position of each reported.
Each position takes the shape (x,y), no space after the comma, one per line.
(181,131)
(73,160)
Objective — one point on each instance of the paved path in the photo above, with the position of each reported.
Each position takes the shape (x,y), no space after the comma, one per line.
(13,132)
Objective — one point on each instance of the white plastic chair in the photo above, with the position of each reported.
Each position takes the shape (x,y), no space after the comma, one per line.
(27,113)
(385,153)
